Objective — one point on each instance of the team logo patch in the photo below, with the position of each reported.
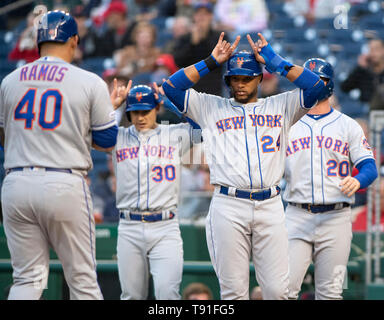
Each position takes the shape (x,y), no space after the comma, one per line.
(139,96)
(240,61)
(312,65)
(112,115)
(366,144)
(52,33)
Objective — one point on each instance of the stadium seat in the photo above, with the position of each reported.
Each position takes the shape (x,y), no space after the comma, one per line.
(275,6)
(373,22)
(2,75)
(324,24)
(353,108)
(4,50)
(339,36)
(351,49)
(358,10)
(285,84)
(159,23)
(99,160)
(162,38)
(282,23)
(2,36)
(301,51)
(7,66)
(141,78)
(98,156)
(295,36)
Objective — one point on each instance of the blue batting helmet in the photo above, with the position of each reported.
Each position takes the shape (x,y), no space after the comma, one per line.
(321,67)
(141,97)
(56,26)
(324,70)
(242,64)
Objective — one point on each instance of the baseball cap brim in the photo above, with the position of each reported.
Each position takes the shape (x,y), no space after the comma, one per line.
(243,72)
(141,106)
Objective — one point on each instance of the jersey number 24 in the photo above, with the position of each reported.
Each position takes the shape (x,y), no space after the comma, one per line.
(25,110)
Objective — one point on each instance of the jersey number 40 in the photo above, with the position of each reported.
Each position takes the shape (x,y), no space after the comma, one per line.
(25,110)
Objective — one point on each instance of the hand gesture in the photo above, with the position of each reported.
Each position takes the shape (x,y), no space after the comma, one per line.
(223,49)
(257,46)
(119,94)
(159,91)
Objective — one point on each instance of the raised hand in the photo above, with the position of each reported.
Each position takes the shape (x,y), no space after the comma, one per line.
(257,46)
(223,49)
(119,94)
(159,91)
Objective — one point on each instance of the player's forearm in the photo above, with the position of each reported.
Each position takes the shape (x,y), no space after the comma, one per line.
(184,78)
(367,173)
(294,73)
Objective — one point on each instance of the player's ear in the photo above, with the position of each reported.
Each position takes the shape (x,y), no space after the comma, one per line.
(75,40)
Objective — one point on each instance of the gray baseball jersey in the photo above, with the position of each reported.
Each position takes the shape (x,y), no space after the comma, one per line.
(53,106)
(48,109)
(147,166)
(245,149)
(320,153)
(244,143)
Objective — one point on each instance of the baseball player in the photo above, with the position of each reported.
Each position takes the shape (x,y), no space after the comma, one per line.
(245,140)
(147,162)
(50,114)
(323,147)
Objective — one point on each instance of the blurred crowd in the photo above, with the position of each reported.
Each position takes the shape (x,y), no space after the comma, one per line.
(148,40)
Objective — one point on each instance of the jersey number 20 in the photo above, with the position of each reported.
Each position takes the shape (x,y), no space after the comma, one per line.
(342,168)
(25,109)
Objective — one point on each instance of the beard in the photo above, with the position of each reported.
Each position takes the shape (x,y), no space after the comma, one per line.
(245,98)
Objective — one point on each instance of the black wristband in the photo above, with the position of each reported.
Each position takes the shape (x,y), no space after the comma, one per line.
(211,63)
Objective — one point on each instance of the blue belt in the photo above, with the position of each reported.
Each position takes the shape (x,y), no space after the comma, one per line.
(46,169)
(258,195)
(153,217)
(320,208)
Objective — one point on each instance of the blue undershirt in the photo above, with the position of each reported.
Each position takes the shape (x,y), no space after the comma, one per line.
(105,138)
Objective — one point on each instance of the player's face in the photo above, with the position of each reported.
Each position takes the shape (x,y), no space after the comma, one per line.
(144,119)
(244,88)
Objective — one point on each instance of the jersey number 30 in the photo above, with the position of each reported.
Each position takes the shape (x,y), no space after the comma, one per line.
(25,109)
(168,172)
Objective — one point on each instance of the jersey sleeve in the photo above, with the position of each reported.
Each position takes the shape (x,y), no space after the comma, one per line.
(359,148)
(294,106)
(291,104)
(102,113)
